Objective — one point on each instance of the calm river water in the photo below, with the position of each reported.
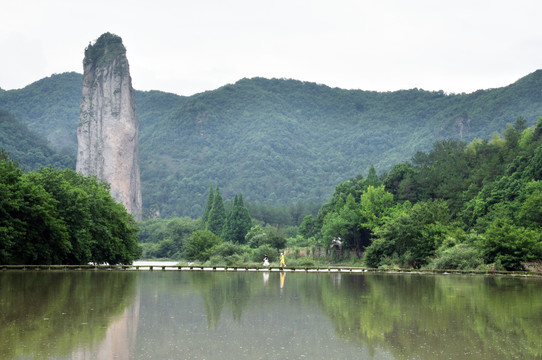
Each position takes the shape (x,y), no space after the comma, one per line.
(257,315)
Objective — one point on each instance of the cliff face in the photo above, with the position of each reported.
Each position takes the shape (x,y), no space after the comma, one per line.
(108,129)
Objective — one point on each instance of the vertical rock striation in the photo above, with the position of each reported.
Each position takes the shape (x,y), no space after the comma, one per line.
(108,129)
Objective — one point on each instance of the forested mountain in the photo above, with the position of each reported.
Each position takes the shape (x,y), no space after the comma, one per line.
(49,107)
(28,148)
(457,206)
(276,141)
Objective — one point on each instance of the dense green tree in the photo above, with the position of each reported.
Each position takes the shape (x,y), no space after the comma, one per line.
(61,217)
(165,238)
(509,245)
(73,207)
(255,236)
(217,215)
(31,230)
(199,245)
(530,212)
(352,223)
(208,207)
(353,187)
(266,249)
(179,230)
(375,206)
(372,178)
(533,169)
(269,236)
(412,233)
(344,225)
(307,229)
(113,230)
(153,231)
(238,222)
(275,239)
(399,182)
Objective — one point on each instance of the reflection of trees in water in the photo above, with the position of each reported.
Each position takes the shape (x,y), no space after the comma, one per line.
(50,313)
(220,289)
(432,317)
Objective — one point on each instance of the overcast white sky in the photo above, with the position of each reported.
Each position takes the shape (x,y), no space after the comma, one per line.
(190,46)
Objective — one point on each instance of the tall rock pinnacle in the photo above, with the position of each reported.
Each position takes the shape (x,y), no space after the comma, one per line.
(108,129)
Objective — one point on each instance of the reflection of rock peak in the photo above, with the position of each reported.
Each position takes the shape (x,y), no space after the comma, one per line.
(120,338)
(108,129)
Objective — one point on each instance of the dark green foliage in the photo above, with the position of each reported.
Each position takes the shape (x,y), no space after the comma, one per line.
(276,240)
(259,253)
(165,238)
(343,224)
(258,236)
(208,207)
(352,187)
(199,245)
(238,222)
(509,246)
(31,230)
(217,215)
(533,170)
(379,251)
(226,249)
(530,211)
(308,228)
(60,217)
(348,223)
(168,236)
(400,182)
(412,234)
(372,179)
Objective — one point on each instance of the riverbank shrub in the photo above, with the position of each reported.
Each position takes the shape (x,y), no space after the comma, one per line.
(305,261)
(460,257)
(259,253)
(509,245)
(199,245)
(227,248)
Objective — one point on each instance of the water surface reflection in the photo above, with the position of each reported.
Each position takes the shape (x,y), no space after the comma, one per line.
(51,314)
(250,315)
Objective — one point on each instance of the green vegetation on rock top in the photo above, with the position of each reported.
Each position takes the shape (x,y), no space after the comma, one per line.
(106,48)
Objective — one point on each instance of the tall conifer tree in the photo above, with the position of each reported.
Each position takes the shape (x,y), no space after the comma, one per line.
(246,220)
(238,222)
(217,215)
(372,178)
(229,226)
(208,208)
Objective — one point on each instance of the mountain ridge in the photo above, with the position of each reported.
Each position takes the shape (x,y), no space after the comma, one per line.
(277,141)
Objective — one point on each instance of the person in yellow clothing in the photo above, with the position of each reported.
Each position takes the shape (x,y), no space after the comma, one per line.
(282,263)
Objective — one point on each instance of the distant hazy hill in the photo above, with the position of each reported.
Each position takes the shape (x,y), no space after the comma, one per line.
(276,141)
(28,148)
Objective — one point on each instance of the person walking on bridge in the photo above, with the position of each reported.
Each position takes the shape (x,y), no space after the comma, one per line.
(282,263)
